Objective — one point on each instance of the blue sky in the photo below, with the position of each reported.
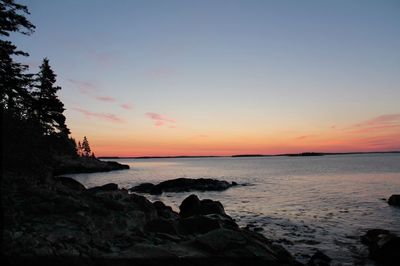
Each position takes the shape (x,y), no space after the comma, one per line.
(250,68)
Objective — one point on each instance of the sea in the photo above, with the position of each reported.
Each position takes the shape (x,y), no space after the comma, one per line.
(304,203)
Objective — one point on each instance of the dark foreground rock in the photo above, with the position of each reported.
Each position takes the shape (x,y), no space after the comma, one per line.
(319,259)
(64,224)
(384,246)
(394,200)
(183,184)
(85,165)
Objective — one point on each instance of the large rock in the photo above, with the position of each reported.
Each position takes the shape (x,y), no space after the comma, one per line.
(384,246)
(189,206)
(73,165)
(183,184)
(106,187)
(394,200)
(193,206)
(63,224)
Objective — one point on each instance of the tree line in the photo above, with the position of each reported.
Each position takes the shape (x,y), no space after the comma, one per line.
(33,122)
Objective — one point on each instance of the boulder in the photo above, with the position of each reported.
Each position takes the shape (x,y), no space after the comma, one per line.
(394,200)
(106,187)
(184,184)
(193,206)
(189,206)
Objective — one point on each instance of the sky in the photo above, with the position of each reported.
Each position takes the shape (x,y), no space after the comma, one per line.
(157,78)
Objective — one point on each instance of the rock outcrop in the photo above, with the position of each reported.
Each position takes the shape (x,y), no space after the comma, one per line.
(85,165)
(183,184)
(384,246)
(394,200)
(64,223)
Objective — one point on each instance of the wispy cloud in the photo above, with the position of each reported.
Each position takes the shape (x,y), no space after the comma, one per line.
(161,120)
(377,124)
(303,137)
(84,86)
(104,116)
(160,73)
(105,98)
(126,106)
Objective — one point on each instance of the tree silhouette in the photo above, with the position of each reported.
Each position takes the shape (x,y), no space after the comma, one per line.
(86,147)
(48,108)
(14,83)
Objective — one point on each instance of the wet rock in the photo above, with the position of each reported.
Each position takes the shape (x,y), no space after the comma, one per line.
(319,259)
(106,187)
(184,184)
(383,246)
(193,206)
(373,236)
(394,200)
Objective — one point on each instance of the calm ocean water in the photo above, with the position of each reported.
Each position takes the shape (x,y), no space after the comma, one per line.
(303,203)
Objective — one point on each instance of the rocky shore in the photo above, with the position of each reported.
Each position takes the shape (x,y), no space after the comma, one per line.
(69,165)
(183,184)
(61,222)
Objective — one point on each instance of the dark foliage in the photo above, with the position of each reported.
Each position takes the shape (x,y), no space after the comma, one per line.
(33,129)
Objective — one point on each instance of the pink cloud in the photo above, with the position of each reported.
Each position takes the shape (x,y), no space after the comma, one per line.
(105,98)
(303,137)
(377,124)
(161,120)
(103,116)
(126,106)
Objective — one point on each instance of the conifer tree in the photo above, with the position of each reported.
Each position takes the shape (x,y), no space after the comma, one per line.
(86,147)
(80,149)
(14,83)
(48,107)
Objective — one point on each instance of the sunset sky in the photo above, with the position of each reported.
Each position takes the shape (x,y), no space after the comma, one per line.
(142,78)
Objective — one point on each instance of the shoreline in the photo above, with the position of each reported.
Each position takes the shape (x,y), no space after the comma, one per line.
(304,154)
(64,222)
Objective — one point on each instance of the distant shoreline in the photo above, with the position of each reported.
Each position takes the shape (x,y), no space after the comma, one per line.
(303,154)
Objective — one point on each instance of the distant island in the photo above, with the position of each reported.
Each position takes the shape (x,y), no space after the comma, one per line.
(302,154)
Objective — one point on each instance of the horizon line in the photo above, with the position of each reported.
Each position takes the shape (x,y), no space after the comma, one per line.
(246,155)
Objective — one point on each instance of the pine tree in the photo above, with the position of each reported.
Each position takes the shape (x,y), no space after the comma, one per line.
(48,107)
(14,83)
(86,147)
(80,149)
